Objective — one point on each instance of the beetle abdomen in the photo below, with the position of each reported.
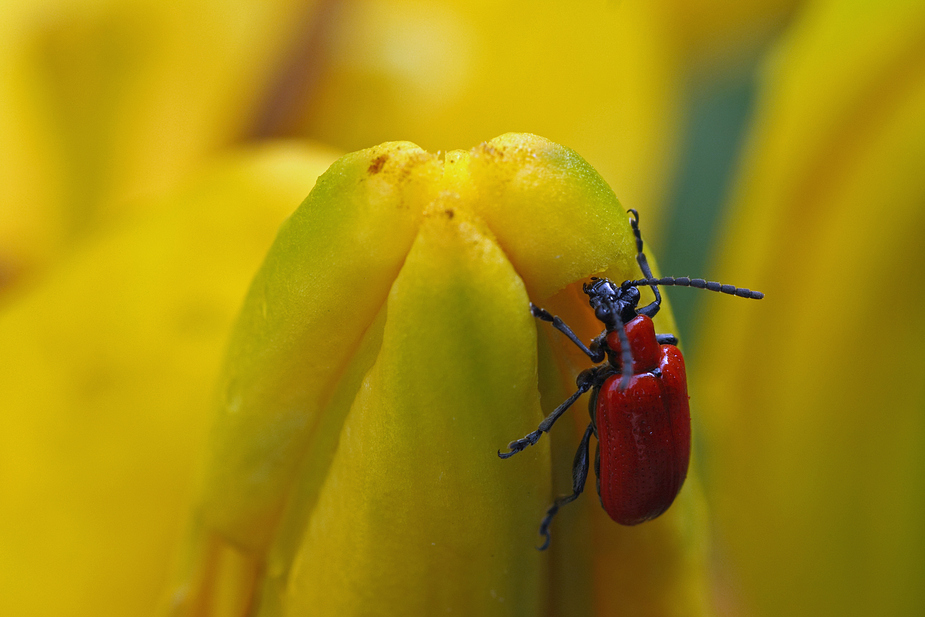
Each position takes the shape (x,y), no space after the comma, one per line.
(644,435)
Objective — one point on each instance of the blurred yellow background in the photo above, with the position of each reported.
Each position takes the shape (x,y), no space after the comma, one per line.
(148,151)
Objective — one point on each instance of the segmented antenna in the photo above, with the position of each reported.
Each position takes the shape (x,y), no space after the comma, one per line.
(683,281)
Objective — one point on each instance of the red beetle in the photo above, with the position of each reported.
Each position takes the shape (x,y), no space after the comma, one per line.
(639,415)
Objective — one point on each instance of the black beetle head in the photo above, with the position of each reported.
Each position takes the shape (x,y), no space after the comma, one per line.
(611,302)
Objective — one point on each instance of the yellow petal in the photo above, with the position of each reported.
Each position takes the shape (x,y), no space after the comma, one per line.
(107,372)
(414,491)
(106,101)
(721,34)
(815,397)
(320,287)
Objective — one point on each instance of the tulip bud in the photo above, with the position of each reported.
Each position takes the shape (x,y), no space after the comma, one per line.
(383,355)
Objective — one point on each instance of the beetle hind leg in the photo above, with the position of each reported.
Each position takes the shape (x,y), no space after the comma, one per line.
(579,476)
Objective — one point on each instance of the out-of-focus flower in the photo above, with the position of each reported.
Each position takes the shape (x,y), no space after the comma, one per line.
(815,400)
(603,78)
(814,474)
(384,352)
(716,36)
(607,78)
(106,372)
(106,101)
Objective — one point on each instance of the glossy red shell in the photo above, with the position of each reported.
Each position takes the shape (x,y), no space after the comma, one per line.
(644,432)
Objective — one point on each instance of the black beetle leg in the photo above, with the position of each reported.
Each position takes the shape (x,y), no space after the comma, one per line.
(597,354)
(666,339)
(586,380)
(579,476)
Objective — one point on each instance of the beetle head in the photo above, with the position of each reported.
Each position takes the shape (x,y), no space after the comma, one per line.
(612,305)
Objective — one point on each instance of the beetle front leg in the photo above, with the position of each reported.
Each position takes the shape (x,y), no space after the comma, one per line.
(586,380)
(597,354)
(579,476)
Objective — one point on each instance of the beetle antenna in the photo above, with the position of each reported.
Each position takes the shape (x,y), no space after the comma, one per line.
(683,281)
(626,355)
(641,257)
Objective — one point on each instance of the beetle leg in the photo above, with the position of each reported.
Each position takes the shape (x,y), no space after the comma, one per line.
(586,380)
(579,476)
(596,355)
(666,339)
(597,470)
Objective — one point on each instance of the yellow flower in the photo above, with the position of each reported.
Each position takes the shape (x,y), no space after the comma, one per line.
(604,78)
(719,36)
(106,103)
(815,399)
(115,305)
(384,353)
(609,79)
(106,372)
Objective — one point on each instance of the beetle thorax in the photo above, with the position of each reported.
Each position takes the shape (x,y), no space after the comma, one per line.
(640,334)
